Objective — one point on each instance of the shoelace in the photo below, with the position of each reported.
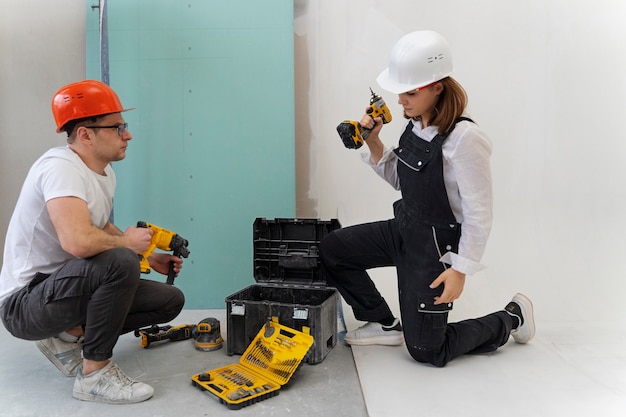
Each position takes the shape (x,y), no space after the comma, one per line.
(113,379)
(116,373)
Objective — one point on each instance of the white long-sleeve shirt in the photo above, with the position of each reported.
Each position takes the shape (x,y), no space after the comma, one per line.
(467,176)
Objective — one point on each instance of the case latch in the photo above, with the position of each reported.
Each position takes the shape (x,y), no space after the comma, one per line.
(300,313)
(238,309)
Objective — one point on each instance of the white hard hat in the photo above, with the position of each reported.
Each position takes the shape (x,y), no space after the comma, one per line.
(417,59)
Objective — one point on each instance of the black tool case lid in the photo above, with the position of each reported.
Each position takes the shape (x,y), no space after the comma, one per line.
(286,251)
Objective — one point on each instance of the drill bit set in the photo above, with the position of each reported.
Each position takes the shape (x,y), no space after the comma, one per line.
(269,363)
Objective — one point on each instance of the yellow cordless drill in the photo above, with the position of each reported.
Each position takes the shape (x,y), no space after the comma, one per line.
(165,240)
(352,133)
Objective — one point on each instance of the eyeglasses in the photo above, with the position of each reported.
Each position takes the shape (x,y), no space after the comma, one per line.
(421,88)
(120,128)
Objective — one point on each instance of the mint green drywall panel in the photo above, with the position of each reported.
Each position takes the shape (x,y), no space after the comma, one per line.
(213,127)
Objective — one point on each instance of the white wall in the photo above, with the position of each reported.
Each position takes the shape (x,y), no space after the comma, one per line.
(42,47)
(546,80)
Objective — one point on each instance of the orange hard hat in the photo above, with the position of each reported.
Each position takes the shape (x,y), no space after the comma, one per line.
(84,99)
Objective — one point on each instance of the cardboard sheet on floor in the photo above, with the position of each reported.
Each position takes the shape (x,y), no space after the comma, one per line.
(569,370)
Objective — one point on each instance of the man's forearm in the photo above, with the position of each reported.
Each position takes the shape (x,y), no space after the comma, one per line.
(112,229)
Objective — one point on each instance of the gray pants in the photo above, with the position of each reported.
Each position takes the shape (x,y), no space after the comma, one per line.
(104,294)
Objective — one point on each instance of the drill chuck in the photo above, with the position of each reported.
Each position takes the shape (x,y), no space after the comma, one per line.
(180,246)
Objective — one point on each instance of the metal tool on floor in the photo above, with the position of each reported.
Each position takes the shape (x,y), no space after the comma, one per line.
(157,333)
(206,334)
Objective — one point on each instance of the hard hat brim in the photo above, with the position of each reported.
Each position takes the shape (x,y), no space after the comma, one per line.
(386,82)
(60,128)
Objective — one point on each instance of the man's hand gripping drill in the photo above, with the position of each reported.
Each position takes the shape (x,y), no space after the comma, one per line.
(165,240)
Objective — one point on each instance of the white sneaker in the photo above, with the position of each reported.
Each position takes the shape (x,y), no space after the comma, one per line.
(522,308)
(64,355)
(110,385)
(376,334)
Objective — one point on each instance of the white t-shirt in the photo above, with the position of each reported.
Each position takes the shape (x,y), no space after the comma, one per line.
(32,244)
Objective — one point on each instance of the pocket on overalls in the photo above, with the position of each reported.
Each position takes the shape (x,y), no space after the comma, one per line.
(446,238)
(416,159)
(434,319)
(427,305)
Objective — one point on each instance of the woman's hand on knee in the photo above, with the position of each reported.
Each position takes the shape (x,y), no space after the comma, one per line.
(453,282)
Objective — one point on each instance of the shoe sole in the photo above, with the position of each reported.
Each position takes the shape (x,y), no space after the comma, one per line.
(382,340)
(93,398)
(52,358)
(529,320)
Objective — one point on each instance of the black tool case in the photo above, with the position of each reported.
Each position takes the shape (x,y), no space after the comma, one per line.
(290,286)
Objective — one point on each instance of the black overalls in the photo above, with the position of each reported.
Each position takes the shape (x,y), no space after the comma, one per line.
(424,228)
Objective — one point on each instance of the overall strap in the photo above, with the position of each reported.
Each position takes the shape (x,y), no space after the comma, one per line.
(457,120)
(461,118)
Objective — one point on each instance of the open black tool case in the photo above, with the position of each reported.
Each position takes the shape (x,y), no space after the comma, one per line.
(290,286)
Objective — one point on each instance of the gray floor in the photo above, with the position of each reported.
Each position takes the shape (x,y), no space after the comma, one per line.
(32,386)
(569,369)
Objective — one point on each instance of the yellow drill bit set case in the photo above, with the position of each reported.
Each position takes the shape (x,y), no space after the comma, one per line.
(290,286)
(268,363)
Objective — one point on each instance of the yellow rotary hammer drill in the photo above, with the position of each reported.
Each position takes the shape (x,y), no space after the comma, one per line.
(165,240)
